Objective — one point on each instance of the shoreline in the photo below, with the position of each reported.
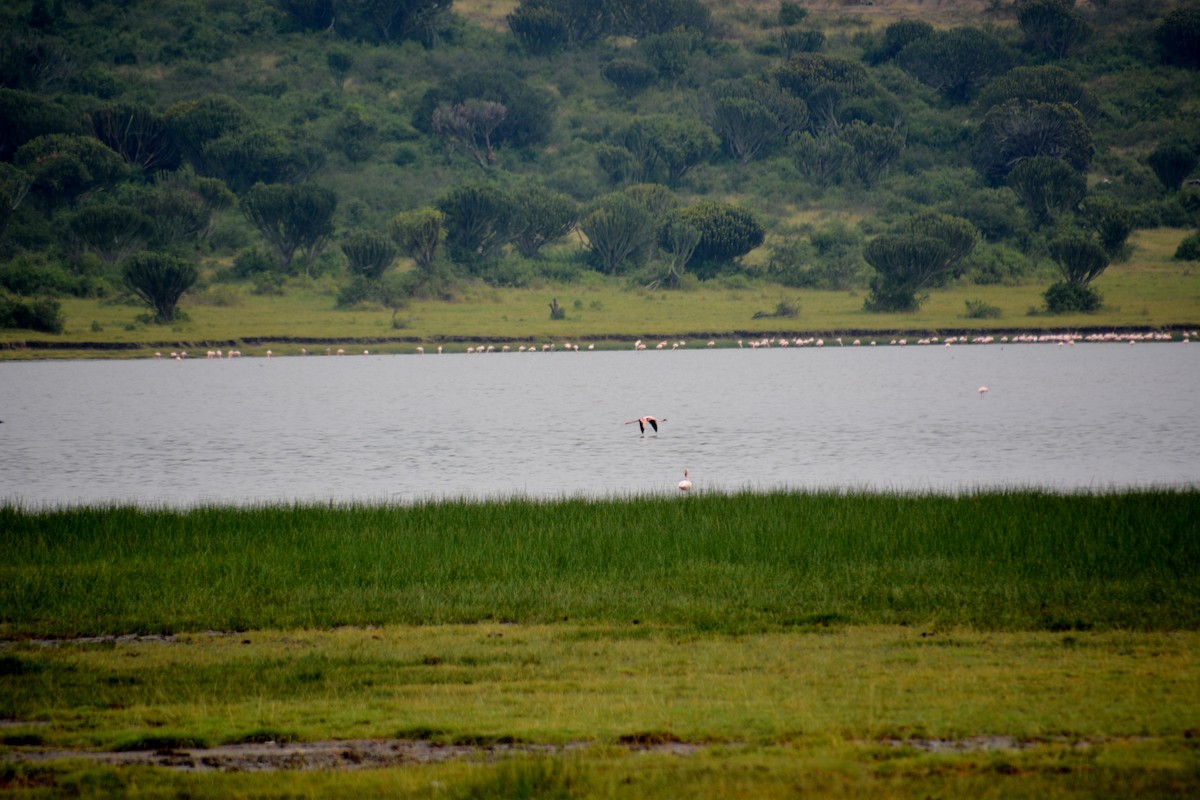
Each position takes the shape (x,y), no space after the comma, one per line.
(13,350)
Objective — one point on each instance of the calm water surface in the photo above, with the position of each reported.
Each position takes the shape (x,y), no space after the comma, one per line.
(404,428)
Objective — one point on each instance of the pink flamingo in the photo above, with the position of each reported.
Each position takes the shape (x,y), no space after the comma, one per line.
(685,485)
(644,421)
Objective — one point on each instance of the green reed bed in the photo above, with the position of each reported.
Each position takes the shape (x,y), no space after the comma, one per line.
(1017,560)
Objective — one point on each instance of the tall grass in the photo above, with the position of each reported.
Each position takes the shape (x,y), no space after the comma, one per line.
(1006,560)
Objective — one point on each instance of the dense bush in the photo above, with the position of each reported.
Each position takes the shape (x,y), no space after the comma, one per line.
(1189,248)
(43,314)
(1066,298)
(165,113)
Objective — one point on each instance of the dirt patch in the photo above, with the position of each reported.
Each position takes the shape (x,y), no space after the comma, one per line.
(269,756)
(327,755)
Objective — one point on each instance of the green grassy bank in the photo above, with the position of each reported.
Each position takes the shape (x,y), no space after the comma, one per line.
(733,563)
(1001,644)
(1150,292)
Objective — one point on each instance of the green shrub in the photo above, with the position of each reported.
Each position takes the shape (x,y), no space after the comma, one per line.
(252,262)
(980,309)
(1189,248)
(27,277)
(43,314)
(1065,298)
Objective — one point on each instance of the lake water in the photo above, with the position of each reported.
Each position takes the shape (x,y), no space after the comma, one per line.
(401,428)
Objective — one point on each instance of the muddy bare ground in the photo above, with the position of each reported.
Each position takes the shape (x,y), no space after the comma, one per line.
(325,755)
(376,753)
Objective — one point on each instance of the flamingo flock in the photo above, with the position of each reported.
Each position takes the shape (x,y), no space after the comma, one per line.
(1068,339)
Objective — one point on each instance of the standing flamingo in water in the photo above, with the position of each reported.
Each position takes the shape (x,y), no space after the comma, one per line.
(685,485)
(644,421)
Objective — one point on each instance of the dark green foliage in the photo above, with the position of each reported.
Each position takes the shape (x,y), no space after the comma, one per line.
(746,126)
(139,134)
(180,207)
(340,62)
(629,76)
(259,156)
(110,231)
(1189,248)
(160,280)
(1178,34)
(25,116)
(920,253)
(368,255)
(195,123)
(980,309)
(805,73)
(1047,83)
(480,219)
(1080,258)
(1110,220)
(661,148)
(752,116)
(63,167)
(43,314)
(897,36)
(678,238)
(954,62)
(873,148)
(527,119)
(32,62)
(643,18)
(727,232)
(824,82)
(372,20)
(292,218)
(1066,298)
(356,134)
(252,262)
(469,128)
(419,234)
(543,216)
(540,28)
(670,53)
(1047,187)
(827,258)
(250,92)
(800,40)
(822,158)
(1019,129)
(621,228)
(1052,27)
(1173,160)
(545,25)
(14,186)
(791,13)
(29,276)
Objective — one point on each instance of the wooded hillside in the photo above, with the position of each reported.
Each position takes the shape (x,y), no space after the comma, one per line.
(405,148)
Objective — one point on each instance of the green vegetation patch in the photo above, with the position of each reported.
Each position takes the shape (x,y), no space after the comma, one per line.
(1018,560)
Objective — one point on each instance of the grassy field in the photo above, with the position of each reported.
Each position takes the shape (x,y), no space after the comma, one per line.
(1150,291)
(999,644)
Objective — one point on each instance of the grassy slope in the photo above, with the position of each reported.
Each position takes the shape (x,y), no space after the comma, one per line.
(1151,290)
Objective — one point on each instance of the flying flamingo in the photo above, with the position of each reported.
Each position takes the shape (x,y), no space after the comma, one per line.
(685,485)
(644,421)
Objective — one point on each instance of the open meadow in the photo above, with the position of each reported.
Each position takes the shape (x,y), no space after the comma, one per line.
(1152,291)
(993,644)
